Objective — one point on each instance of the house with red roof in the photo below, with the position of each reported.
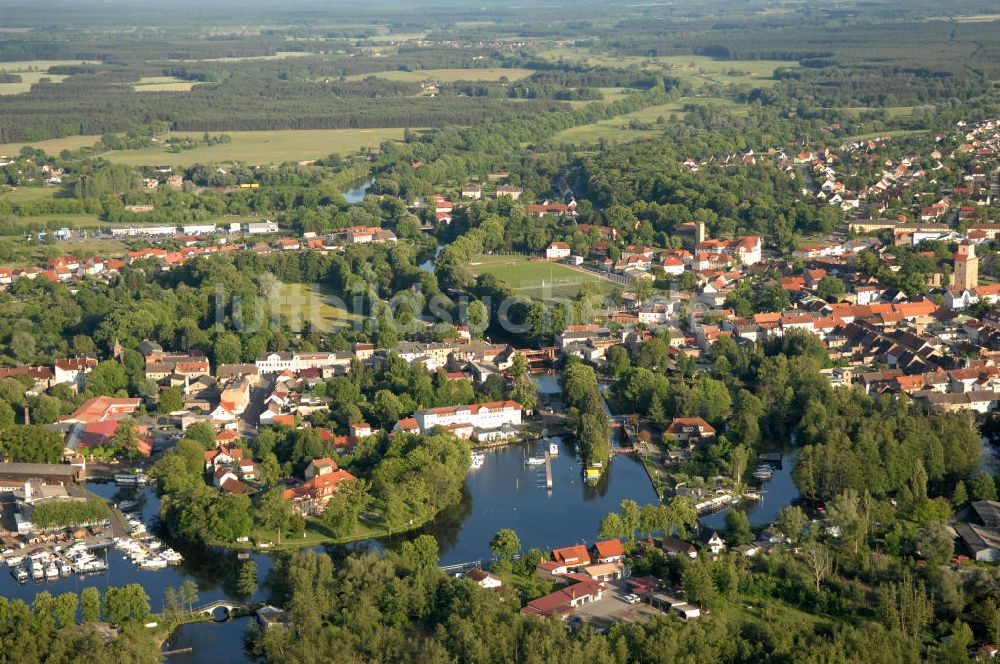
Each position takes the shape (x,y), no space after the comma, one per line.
(608,551)
(312,496)
(690,430)
(564,601)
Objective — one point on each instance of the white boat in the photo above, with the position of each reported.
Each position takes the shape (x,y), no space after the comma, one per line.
(172,556)
(130,479)
(535,461)
(51,571)
(15,561)
(37,573)
(763,472)
(64,568)
(20,574)
(478,459)
(554,449)
(153,544)
(153,563)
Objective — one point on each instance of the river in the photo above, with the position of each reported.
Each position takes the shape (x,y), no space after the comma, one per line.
(357,194)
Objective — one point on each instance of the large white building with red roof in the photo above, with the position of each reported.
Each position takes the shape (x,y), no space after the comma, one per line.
(485,416)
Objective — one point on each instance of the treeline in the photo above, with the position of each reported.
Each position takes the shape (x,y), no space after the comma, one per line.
(63,513)
(586,414)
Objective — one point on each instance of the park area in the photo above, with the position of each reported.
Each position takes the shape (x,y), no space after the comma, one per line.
(538,279)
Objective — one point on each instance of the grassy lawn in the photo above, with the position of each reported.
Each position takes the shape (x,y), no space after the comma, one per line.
(262,147)
(766,611)
(891,111)
(51,146)
(311,302)
(450,75)
(162,84)
(29,194)
(538,279)
(71,221)
(36,254)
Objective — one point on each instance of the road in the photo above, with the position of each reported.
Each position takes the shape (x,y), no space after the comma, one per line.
(248,420)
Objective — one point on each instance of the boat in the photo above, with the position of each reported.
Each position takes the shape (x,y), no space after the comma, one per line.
(171,556)
(64,568)
(130,479)
(37,573)
(153,563)
(554,448)
(478,459)
(51,571)
(763,472)
(535,461)
(15,561)
(128,505)
(20,574)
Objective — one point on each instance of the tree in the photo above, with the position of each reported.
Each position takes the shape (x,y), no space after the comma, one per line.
(246,585)
(343,509)
(171,400)
(107,378)
(30,444)
(125,439)
(227,349)
(188,594)
(629,511)
(698,584)
(792,522)
(983,487)
(64,608)
(505,544)
(820,561)
(829,287)
(90,604)
(611,527)
(738,527)
(960,496)
(203,432)
(934,543)
(127,604)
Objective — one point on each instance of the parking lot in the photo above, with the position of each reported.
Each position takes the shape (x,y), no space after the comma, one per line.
(614,608)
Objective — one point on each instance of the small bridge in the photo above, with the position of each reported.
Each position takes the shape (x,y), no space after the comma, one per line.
(228,605)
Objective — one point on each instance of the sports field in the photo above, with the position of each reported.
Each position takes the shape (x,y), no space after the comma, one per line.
(543,280)
(310,302)
(450,75)
(262,147)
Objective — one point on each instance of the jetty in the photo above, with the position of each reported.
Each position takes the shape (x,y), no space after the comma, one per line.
(548,470)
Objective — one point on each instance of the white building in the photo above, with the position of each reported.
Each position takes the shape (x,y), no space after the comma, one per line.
(136,231)
(198,229)
(277,362)
(263,227)
(557,251)
(493,415)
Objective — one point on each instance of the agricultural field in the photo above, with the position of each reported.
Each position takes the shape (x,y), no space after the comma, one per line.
(310,302)
(542,280)
(280,55)
(618,129)
(261,147)
(162,84)
(32,71)
(450,75)
(51,146)
(698,69)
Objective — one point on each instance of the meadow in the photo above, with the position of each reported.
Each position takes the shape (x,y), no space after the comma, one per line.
(313,303)
(261,147)
(617,129)
(541,280)
(52,146)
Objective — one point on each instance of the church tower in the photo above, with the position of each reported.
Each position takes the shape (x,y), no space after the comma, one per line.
(966,267)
